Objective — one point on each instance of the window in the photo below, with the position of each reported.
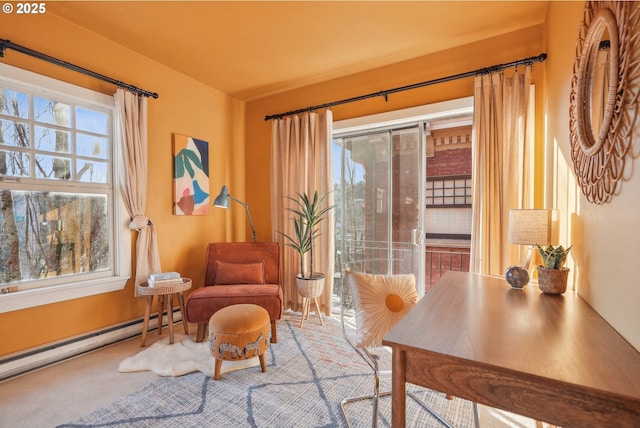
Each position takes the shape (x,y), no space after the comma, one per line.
(448,192)
(59,206)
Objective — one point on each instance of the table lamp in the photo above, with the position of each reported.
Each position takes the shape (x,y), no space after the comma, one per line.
(529,227)
(222,201)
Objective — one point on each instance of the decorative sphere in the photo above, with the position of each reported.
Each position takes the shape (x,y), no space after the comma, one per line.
(517,276)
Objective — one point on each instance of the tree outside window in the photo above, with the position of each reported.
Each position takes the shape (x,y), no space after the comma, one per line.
(55,187)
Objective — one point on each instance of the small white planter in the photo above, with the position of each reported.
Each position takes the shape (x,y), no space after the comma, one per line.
(310,289)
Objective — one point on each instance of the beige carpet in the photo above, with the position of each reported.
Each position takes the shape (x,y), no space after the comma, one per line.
(67,390)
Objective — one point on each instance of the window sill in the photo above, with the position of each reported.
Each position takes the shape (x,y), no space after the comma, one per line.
(57,293)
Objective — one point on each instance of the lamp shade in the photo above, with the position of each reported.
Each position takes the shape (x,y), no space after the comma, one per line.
(222,200)
(529,227)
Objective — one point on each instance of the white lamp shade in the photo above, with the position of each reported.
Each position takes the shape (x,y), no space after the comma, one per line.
(533,226)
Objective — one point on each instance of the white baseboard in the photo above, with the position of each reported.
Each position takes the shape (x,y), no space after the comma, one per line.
(13,365)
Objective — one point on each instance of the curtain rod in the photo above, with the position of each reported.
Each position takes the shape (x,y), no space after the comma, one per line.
(6,44)
(385,93)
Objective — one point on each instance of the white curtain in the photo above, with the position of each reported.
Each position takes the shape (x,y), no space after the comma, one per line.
(499,166)
(301,161)
(132,112)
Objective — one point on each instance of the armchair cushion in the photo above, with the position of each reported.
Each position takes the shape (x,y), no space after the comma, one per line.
(239,273)
(206,301)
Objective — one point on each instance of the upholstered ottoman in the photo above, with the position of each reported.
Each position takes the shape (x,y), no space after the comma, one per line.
(239,332)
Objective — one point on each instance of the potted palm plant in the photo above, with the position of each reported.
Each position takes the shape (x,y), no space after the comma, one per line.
(552,275)
(309,212)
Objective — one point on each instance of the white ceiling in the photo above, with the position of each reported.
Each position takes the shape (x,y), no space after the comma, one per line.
(254,49)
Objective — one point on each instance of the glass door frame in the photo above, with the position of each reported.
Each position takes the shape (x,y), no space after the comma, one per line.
(400,119)
(389,231)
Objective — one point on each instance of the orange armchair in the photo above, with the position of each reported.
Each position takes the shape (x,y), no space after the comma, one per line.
(238,272)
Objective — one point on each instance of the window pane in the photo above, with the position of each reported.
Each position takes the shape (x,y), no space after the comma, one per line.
(14,103)
(91,120)
(51,112)
(53,167)
(91,146)
(14,133)
(14,163)
(92,171)
(52,140)
(51,234)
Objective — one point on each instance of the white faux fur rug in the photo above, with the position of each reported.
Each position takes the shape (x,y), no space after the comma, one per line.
(184,356)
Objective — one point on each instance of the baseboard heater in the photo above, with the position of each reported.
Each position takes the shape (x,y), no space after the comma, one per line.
(23,362)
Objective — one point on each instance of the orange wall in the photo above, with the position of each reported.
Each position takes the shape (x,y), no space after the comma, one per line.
(239,141)
(184,106)
(604,256)
(498,50)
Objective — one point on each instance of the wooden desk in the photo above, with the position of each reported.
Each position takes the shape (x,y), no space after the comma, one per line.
(551,358)
(162,291)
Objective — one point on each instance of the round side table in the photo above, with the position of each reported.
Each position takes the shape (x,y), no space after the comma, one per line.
(161,291)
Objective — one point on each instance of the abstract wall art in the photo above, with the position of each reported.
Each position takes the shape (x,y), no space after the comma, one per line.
(190,176)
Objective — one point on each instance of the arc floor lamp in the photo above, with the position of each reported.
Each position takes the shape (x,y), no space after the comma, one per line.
(222,201)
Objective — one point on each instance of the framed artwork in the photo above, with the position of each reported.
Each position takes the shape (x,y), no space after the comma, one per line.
(190,176)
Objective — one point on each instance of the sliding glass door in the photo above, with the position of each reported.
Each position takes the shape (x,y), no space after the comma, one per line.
(380,205)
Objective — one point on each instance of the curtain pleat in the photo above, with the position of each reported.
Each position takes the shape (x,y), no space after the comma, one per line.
(499,166)
(132,111)
(302,162)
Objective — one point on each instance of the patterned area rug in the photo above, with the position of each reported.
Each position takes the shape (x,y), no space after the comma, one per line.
(310,370)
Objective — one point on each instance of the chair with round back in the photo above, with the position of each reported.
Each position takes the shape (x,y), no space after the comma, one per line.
(374,295)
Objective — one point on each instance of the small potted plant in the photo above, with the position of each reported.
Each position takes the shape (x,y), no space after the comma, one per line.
(309,212)
(552,275)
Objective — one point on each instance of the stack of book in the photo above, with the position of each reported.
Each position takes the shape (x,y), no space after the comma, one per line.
(164,278)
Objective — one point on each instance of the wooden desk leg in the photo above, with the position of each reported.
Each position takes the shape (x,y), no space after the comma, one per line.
(160,312)
(182,312)
(145,324)
(170,317)
(398,389)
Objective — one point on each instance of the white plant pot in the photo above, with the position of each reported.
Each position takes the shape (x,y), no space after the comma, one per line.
(310,287)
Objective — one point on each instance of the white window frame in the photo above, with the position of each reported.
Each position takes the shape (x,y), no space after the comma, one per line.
(462,107)
(83,287)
